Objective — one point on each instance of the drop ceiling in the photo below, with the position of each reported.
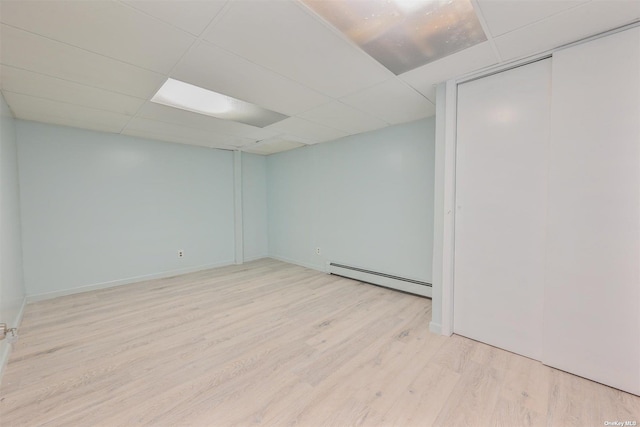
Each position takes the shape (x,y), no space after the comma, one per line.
(97,64)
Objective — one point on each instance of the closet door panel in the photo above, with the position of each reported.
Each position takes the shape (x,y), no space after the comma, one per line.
(501,192)
(592,291)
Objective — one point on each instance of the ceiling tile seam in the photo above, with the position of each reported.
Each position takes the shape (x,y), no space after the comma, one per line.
(181,139)
(270,70)
(208,131)
(73,81)
(219,16)
(340,99)
(84,50)
(178,61)
(483,23)
(74,124)
(324,125)
(158,20)
(166,76)
(130,6)
(331,99)
(64,102)
(13,113)
(396,78)
(375,116)
(134,116)
(562,12)
(302,138)
(198,40)
(263,143)
(342,37)
(333,30)
(258,141)
(156,136)
(197,126)
(416,91)
(363,112)
(148,15)
(295,138)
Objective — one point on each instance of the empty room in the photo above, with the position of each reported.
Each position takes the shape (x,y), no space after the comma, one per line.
(320,212)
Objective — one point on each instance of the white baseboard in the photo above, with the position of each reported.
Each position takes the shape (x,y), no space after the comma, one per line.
(435,328)
(120,282)
(296,262)
(255,258)
(6,347)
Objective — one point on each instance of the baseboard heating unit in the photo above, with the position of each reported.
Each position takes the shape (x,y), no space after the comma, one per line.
(387,280)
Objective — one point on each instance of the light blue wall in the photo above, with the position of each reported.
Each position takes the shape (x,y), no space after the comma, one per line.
(254,206)
(365,200)
(291,193)
(11,282)
(100,209)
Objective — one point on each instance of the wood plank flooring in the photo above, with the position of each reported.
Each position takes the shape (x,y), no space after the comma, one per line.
(270,343)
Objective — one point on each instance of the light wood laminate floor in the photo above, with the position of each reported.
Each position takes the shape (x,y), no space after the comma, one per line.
(270,343)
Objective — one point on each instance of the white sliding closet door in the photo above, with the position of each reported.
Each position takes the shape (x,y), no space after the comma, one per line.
(592,292)
(501,197)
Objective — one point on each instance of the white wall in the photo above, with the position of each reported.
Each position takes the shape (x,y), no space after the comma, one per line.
(254,206)
(365,200)
(11,281)
(101,209)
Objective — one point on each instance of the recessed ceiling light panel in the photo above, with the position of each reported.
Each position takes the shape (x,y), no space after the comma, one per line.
(185,96)
(404,34)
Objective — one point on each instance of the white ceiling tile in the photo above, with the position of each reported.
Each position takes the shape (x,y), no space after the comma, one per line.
(180,139)
(287,38)
(39,54)
(192,16)
(503,16)
(393,101)
(213,68)
(343,117)
(183,134)
(307,131)
(44,110)
(272,146)
(264,133)
(566,27)
(276,54)
(404,34)
(163,113)
(424,78)
(104,27)
(39,85)
(290,137)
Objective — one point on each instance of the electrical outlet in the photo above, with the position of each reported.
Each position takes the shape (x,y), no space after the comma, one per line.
(12,336)
(318,251)
(180,253)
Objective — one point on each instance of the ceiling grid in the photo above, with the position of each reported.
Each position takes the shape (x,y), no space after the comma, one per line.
(97,64)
